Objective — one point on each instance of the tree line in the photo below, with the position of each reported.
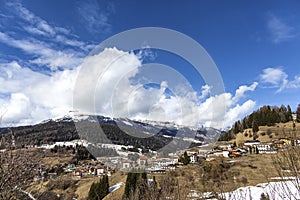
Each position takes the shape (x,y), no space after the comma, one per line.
(264,116)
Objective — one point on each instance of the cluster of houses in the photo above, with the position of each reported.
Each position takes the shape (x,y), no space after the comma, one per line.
(248,147)
(82,170)
(158,164)
(151,164)
(255,146)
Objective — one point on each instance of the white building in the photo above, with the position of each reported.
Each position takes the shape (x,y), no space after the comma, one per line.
(266,148)
(251,142)
(193,158)
(126,164)
(142,161)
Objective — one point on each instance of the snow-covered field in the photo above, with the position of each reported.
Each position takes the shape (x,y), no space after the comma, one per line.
(275,190)
(282,190)
(118,148)
(68,143)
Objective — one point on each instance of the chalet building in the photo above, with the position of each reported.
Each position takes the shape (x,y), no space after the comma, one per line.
(100,170)
(266,148)
(294,116)
(142,160)
(226,154)
(193,158)
(251,146)
(126,164)
(286,141)
(163,163)
(296,142)
(218,154)
(78,172)
(251,143)
(235,154)
(190,153)
(278,144)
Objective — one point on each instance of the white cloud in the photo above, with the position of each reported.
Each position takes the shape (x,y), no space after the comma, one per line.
(32,97)
(34,30)
(205,90)
(274,77)
(44,40)
(106,82)
(46,54)
(280,31)
(37,24)
(13,77)
(237,111)
(71,42)
(18,108)
(242,89)
(278,78)
(117,95)
(294,83)
(95,17)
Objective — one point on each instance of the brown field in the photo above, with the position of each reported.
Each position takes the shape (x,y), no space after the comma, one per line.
(269,133)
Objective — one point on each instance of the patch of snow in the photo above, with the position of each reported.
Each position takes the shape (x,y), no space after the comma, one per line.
(68,143)
(275,190)
(127,123)
(115,187)
(146,132)
(191,140)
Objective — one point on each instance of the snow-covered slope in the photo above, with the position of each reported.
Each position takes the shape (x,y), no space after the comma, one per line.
(147,128)
(274,190)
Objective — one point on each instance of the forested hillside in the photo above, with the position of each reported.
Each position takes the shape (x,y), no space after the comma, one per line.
(264,116)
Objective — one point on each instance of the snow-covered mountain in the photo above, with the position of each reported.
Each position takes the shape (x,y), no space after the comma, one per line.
(147,128)
(147,135)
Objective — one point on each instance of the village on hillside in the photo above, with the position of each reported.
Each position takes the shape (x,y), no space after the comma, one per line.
(151,162)
(73,160)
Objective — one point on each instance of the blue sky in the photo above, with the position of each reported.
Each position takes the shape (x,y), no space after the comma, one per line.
(254,44)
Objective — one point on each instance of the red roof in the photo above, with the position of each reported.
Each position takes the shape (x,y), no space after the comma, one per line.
(143,158)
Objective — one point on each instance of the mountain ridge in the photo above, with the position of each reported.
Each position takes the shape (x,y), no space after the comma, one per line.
(141,134)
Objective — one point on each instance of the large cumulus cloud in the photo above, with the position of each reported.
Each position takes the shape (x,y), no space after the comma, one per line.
(109,84)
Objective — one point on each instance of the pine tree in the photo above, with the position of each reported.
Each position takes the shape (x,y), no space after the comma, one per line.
(255,127)
(136,185)
(283,114)
(298,113)
(106,185)
(141,185)
(103,187)
(92,193)
(244,123)
(130,185)
(99,190)
(289,113)
(185,159)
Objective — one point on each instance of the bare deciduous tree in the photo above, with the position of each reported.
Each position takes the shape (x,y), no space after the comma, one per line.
(287,165)
(16,172)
